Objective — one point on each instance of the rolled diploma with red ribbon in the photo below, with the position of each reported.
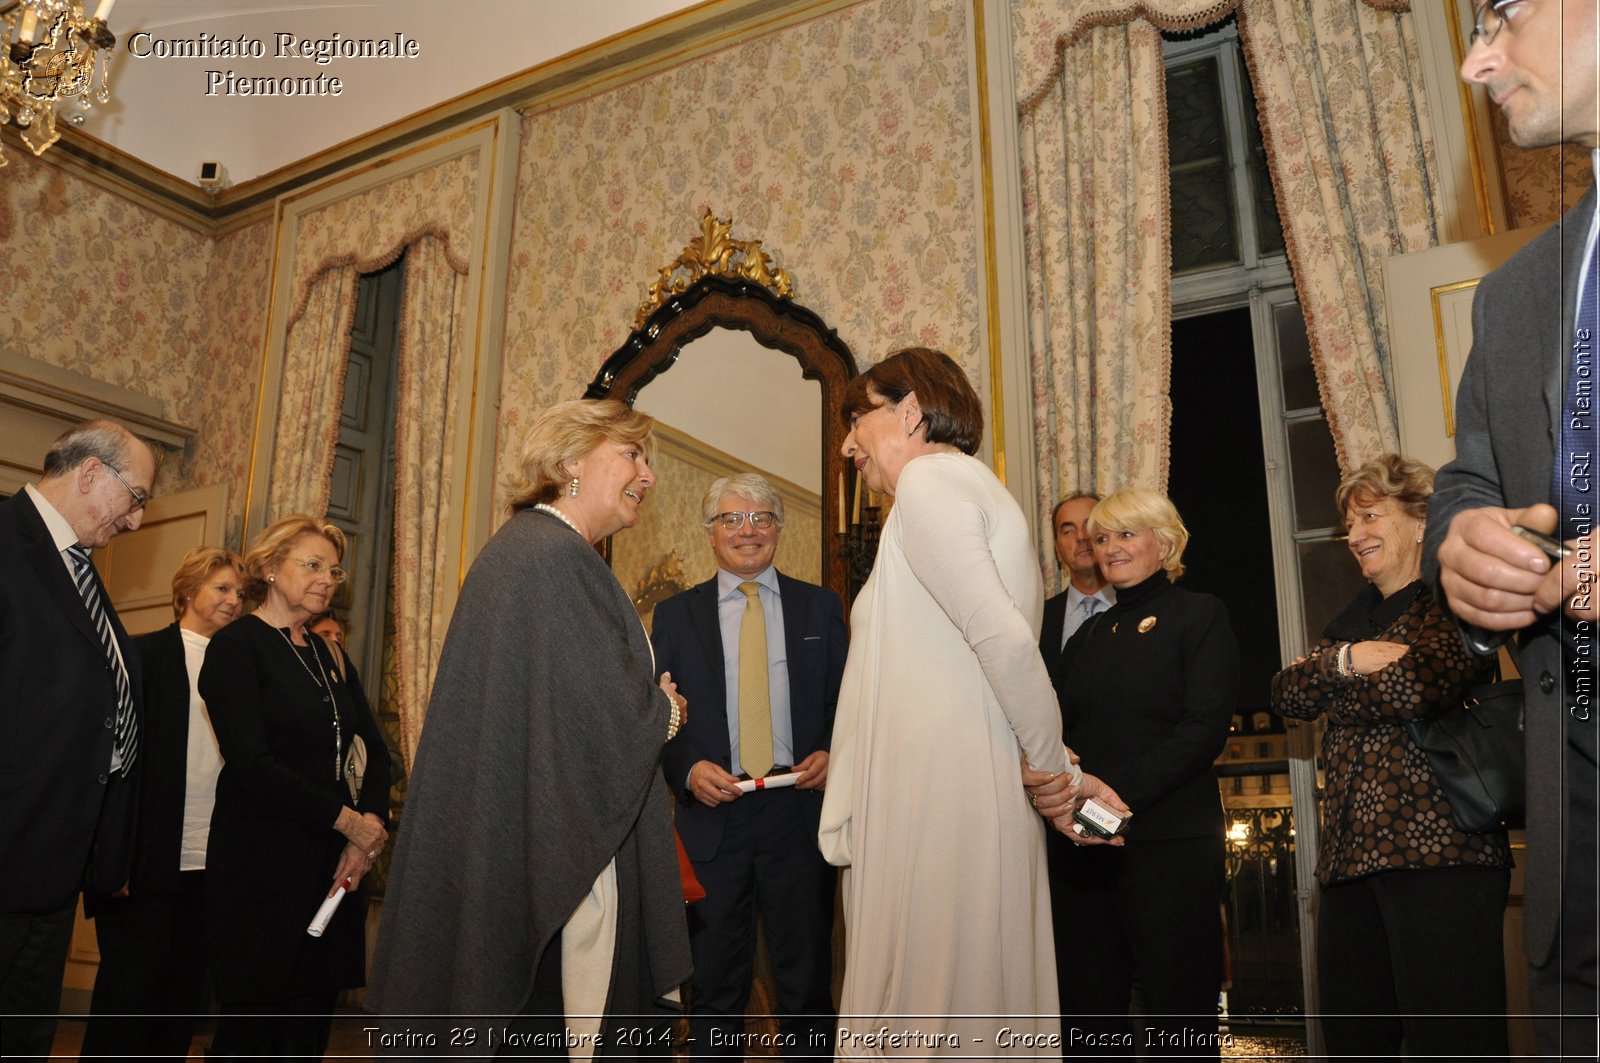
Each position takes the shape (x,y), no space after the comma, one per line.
(771,782)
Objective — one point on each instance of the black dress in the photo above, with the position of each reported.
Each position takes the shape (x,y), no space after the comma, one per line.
(273,847)
(1147,691)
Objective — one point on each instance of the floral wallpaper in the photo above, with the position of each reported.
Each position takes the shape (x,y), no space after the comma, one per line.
(843,143)
(151,306)
(230,365)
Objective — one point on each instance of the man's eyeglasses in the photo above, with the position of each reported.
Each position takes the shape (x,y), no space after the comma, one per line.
(317,568)
(139,497)
(733,520)
(1489,18)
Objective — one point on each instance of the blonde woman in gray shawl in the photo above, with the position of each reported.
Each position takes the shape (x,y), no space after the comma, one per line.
(535,878)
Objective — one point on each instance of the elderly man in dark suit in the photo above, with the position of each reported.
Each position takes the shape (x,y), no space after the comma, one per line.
(1525,446)
(1087,591)
(762,654)
(69,713)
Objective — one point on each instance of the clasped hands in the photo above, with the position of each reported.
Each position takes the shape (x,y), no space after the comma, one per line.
(1498,581)
(366,835)
(1057,797)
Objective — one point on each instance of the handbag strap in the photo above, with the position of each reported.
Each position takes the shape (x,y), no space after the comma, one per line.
(1513,651)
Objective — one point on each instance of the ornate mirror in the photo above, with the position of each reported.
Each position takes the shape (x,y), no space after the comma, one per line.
(753,382)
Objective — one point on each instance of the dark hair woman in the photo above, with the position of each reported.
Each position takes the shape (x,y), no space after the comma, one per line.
(944,693)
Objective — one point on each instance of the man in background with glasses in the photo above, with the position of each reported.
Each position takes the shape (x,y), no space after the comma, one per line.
(770,650)
(69,714)
(1525,455)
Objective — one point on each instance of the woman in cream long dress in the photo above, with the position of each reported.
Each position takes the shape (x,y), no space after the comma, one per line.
(947,908)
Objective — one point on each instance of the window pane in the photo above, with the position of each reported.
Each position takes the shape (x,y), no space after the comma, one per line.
(1269,229)
(1314,468)
(1294,355)
(1204,228)
(1329,580)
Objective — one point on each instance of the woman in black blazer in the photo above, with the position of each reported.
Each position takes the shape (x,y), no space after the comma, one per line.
(287,831)
(152,932)
(1147,691)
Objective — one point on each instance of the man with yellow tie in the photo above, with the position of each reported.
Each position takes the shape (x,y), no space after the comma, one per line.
(770,650)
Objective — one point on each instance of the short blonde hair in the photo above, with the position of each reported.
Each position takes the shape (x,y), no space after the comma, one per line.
(1408,482)
(568,431)
(1138,508)
(195,568)
(272,546)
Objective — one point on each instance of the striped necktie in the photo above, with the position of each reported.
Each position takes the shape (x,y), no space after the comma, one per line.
(125,739)
(755,699)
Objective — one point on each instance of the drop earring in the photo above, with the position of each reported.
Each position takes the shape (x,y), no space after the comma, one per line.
(572,488)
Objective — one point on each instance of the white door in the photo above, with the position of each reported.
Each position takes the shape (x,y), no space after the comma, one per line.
(1429,296)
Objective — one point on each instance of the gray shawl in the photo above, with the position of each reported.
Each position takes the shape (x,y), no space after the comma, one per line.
(537,766)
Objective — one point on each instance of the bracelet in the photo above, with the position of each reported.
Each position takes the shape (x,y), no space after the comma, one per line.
(674,721)
(1346,669)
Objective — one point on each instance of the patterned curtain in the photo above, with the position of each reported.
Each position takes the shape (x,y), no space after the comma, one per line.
(312,391)
(431,314)
(1093,138)
(1339,90)
(1338,85)
(1098,242)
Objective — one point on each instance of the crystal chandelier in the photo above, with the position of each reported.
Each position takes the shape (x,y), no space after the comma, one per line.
(53,56)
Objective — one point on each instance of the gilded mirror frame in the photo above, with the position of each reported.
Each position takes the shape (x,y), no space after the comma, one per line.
(774,321)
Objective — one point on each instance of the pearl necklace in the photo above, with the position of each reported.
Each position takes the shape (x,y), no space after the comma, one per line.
(544,507)
(326,686)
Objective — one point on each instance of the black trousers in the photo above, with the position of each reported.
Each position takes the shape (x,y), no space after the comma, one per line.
(1566,989)
(33,960)
(152,974)
(768,860)
(298,1027)
(1149,912)
(1414,958)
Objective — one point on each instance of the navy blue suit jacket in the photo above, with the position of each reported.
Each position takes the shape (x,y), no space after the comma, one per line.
(65,822)
(688,643)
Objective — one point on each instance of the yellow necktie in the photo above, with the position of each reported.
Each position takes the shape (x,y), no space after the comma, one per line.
(755,704)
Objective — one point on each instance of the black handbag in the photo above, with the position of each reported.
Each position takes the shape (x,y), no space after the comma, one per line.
(1476,750)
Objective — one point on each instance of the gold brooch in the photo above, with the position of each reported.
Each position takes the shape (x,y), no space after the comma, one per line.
(1146,624)
(1113,629)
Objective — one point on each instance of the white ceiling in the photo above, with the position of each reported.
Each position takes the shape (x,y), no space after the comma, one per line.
(160,111)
